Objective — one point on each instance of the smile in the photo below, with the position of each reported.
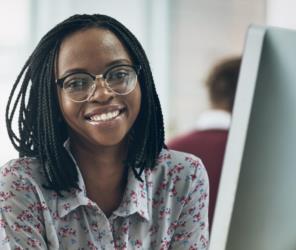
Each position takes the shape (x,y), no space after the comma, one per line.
(105,116)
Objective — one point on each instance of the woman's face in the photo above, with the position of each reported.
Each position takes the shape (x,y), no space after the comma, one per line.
(105,118)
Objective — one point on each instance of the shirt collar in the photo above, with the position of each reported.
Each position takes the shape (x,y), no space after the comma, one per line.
(75,197)
(135,198)
(214,119)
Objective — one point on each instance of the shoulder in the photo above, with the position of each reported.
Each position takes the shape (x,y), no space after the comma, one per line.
(174,165)
(185,139)
(182,137)
(169,158)
(27,167)
(20,177)
(23,211)
(179,181)
(194,141)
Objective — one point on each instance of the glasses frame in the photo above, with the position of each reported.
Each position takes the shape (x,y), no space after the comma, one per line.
(136,68)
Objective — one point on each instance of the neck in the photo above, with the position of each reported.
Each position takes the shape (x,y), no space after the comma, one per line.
(101,168)
(104,174)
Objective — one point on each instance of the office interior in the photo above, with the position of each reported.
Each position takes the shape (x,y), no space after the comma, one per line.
(182,38)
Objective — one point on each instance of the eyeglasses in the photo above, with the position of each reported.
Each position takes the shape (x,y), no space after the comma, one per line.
(119,79)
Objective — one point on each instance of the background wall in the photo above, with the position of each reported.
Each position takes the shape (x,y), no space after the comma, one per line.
(203,31)
(281,13)
(14,43)
(182,38)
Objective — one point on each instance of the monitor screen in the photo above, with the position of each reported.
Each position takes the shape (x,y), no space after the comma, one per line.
(256,203)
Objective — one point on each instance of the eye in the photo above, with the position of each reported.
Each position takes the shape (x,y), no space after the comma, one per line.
(118,75)
(77,82)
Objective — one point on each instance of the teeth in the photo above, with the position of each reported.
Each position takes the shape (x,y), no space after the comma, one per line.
(105,116)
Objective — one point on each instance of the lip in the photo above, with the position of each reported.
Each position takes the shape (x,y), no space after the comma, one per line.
(109,124)
(102,110)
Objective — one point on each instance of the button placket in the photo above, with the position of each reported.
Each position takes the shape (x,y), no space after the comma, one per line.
(103,230)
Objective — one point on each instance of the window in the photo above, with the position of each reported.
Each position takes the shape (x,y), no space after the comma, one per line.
(14,41)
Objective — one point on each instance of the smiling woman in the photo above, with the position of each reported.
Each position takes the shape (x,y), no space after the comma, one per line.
(105,117)
(93,166)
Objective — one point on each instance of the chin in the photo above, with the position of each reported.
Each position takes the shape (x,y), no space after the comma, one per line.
(108,142)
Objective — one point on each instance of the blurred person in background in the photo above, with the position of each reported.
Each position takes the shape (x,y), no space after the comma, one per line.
(208,139)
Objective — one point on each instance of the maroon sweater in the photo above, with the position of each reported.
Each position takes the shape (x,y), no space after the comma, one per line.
(209,145)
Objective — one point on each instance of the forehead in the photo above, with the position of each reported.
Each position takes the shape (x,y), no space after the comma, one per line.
(90,49)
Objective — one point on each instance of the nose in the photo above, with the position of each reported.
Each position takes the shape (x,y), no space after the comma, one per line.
(101,93)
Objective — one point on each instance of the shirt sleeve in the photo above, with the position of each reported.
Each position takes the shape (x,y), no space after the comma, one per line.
(192,227)
(21,219)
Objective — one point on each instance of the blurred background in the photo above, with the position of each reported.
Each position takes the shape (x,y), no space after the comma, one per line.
(182,38)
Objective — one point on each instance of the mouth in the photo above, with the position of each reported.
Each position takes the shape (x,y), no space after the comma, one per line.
(105,116)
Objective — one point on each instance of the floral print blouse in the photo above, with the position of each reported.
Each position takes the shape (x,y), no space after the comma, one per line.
(168,210)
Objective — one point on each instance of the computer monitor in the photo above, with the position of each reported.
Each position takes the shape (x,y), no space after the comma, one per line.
(256,203)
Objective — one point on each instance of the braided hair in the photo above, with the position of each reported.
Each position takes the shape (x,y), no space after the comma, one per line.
(42,132)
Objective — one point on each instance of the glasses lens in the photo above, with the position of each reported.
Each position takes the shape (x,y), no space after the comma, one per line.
(78,86)
(122,79)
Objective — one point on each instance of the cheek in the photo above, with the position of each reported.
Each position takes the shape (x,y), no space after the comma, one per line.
(67,108)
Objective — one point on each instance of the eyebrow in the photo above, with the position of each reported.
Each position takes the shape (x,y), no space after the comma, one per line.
(108,65)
